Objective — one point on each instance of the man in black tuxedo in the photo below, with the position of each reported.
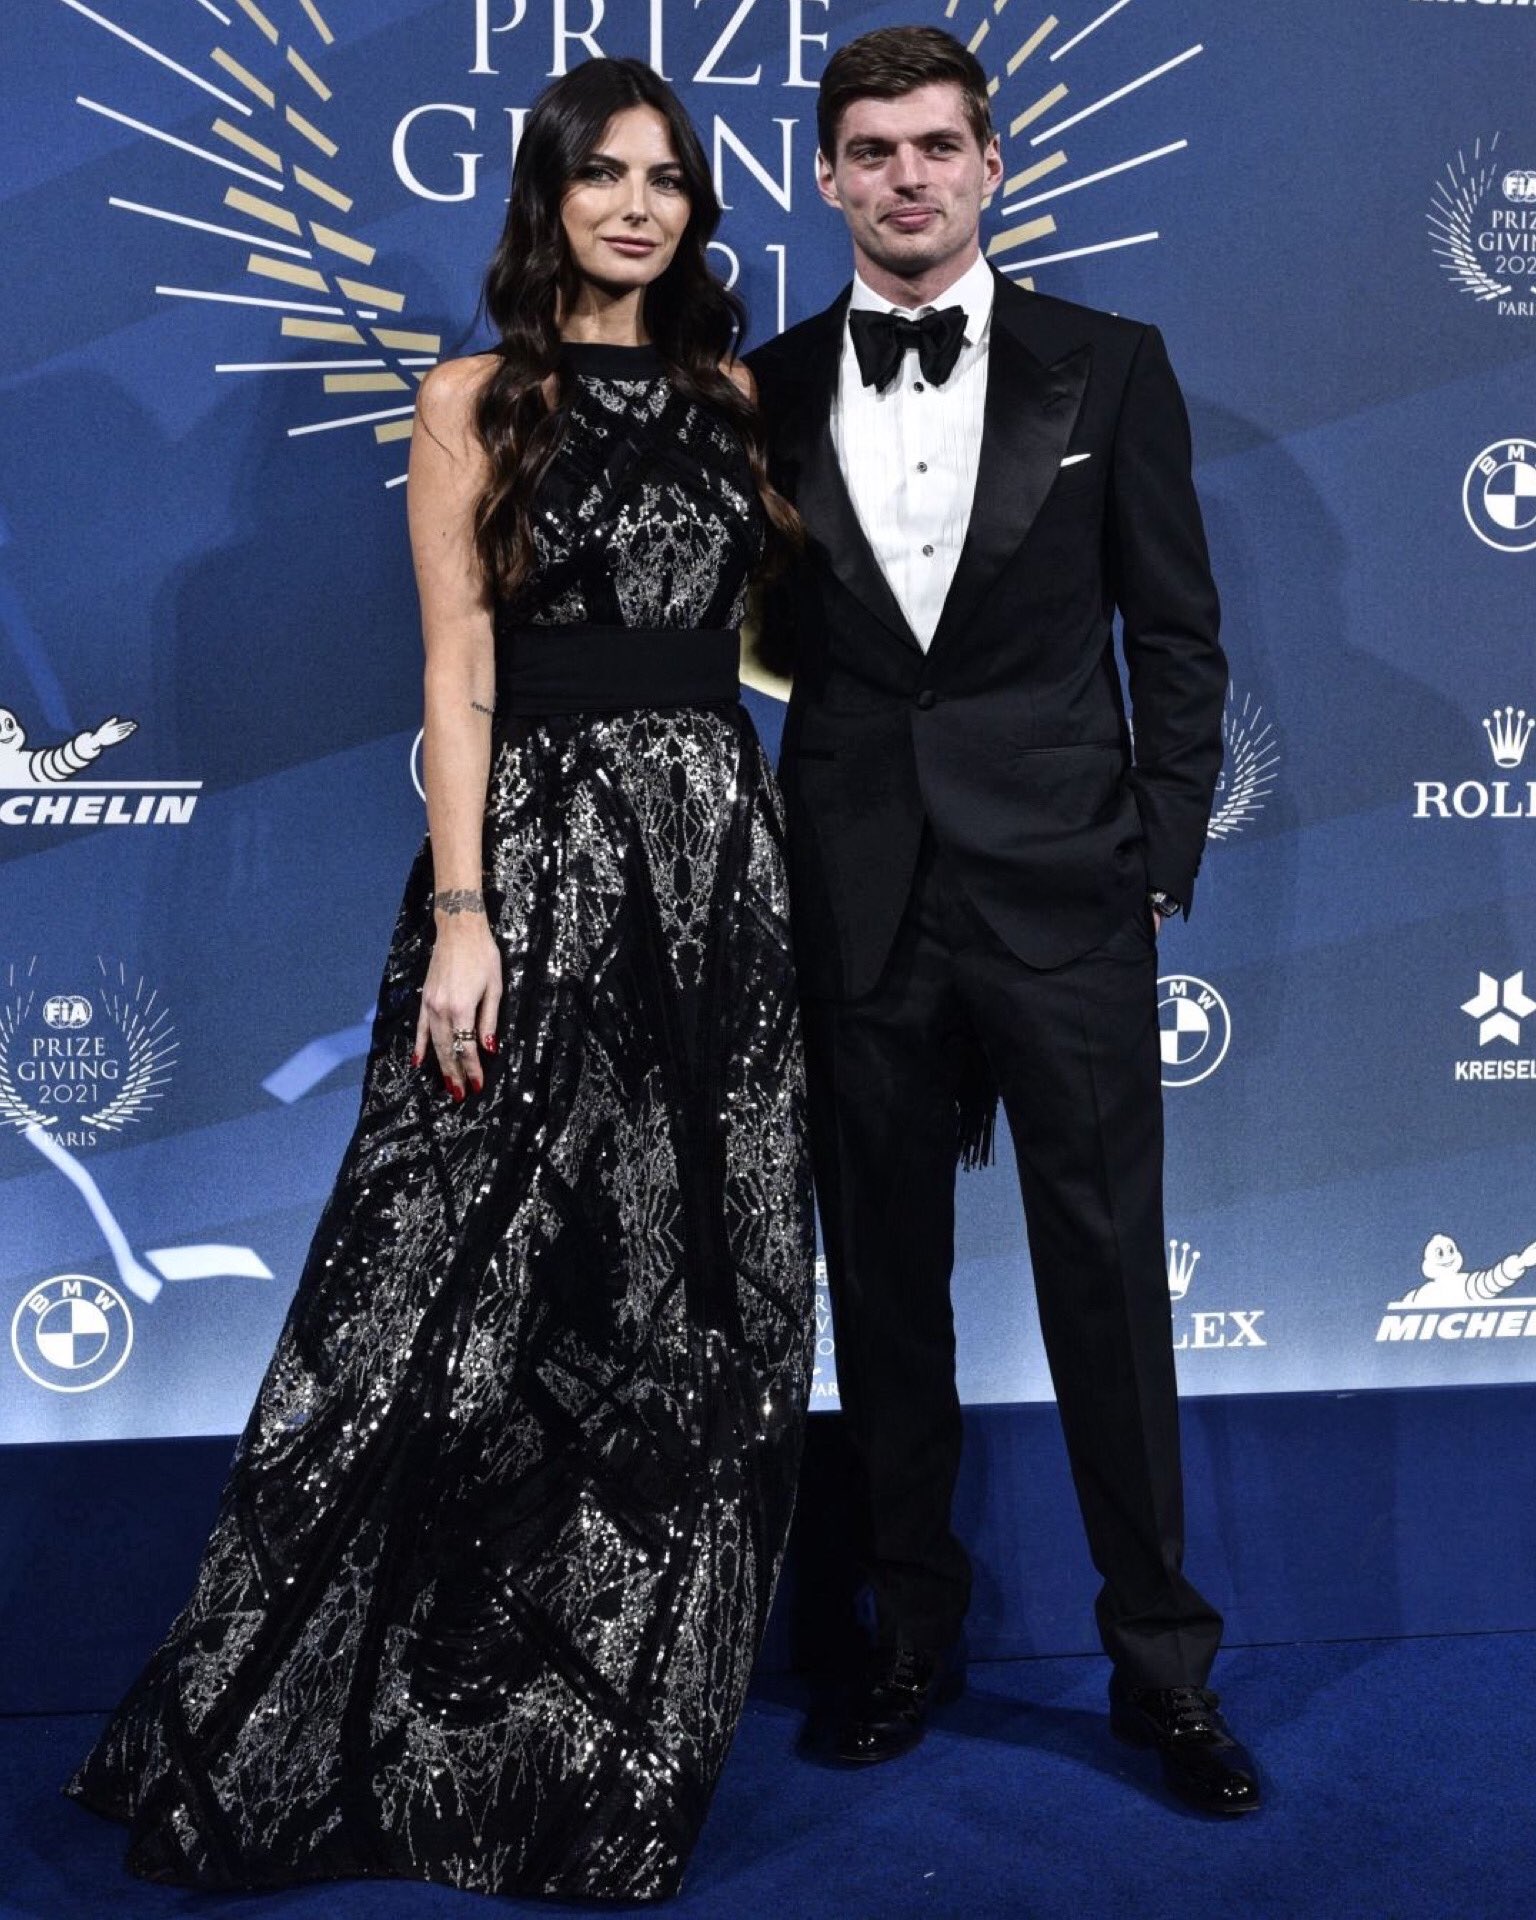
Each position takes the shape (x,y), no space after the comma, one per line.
(980,865)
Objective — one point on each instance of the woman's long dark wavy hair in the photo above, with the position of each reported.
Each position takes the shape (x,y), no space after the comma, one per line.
(691,318)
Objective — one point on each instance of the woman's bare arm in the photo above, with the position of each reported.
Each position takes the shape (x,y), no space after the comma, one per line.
(447,475)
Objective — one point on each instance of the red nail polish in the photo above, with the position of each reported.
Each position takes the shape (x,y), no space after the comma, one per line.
(490,1043)
(415,1059)
(458,1094)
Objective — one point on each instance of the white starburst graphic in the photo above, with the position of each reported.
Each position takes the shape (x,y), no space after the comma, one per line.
(1457,197)
(1248,773)
(269,173)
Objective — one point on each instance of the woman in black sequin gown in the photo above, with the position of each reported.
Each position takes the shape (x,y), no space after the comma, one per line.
(496,1552)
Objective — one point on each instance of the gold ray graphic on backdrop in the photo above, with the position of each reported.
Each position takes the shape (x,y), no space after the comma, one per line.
(285,156)
(1035,104)
(267,128)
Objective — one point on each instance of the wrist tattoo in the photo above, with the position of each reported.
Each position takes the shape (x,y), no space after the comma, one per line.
(459,900)
(479,707)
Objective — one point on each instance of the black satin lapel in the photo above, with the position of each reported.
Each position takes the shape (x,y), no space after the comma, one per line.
(1030,412)
(835,533)
(815,480)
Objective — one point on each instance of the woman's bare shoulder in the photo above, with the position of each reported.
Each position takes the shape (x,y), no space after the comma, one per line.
(447,397)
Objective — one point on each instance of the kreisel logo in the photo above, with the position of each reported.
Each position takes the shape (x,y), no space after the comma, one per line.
(81,1058)
(1204,1330)
(1454,1304)
(1498,496)
(1196,1029)
(1248,767)
(42,787)
(1499,1009)
(1508,730)
(72,1333)
(1482,228)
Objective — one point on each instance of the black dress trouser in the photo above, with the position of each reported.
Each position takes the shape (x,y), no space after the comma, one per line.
(1075,1053)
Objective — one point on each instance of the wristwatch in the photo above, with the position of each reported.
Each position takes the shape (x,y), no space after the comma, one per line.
(1164,903)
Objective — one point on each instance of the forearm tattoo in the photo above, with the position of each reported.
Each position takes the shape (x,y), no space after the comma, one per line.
(460,900)
(479,707)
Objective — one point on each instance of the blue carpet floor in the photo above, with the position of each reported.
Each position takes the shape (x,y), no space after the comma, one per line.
(1401,1777)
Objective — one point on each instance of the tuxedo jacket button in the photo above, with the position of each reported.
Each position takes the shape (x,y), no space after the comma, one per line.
(927,698)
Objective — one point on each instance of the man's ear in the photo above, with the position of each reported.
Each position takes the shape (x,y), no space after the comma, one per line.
(826,186)
(992,163)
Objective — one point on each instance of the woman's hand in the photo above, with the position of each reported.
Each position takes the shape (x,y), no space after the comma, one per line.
(462,997)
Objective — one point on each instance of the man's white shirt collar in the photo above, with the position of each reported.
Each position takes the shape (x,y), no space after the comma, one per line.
(974,291)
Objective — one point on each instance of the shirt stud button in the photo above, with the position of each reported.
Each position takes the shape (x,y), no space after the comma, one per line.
(927,553)
(917,386)
(922,466)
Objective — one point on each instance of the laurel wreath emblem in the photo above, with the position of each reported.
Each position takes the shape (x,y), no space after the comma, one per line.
(132,1011)
(1452,212)
(1249,774)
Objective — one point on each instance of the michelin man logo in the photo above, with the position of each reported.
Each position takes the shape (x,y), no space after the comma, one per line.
(72,1333)
(1448,1284)
(23,766)
(31,779)
(1453,1302)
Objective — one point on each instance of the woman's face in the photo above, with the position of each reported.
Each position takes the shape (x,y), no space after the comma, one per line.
(626,208)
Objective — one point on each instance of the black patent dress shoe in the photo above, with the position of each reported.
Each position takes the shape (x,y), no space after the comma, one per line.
(1202,1762)
(888,1714)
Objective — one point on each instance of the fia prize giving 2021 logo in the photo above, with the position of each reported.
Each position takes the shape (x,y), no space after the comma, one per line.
(1482,227)
(81,1057)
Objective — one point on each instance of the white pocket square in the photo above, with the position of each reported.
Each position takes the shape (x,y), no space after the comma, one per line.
(1073,458)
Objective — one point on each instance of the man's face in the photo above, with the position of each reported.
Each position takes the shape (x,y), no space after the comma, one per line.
(909,179)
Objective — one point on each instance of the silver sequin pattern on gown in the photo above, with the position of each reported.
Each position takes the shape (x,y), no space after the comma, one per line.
(496,1551)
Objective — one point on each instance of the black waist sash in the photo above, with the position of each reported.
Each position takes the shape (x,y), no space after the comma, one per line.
(549,670)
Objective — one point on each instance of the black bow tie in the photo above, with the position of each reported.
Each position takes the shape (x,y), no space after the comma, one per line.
(880,340)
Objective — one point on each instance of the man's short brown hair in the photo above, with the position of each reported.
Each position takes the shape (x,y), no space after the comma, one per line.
(895,60)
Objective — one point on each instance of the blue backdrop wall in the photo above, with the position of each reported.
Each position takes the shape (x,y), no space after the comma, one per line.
(235,237)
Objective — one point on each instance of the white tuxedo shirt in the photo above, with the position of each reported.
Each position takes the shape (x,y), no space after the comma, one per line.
(909,455)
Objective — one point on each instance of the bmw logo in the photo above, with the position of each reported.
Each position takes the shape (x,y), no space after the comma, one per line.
(72,1333)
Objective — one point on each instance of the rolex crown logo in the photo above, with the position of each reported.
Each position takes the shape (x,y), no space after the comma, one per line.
(1182,1261)
(1509,733)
